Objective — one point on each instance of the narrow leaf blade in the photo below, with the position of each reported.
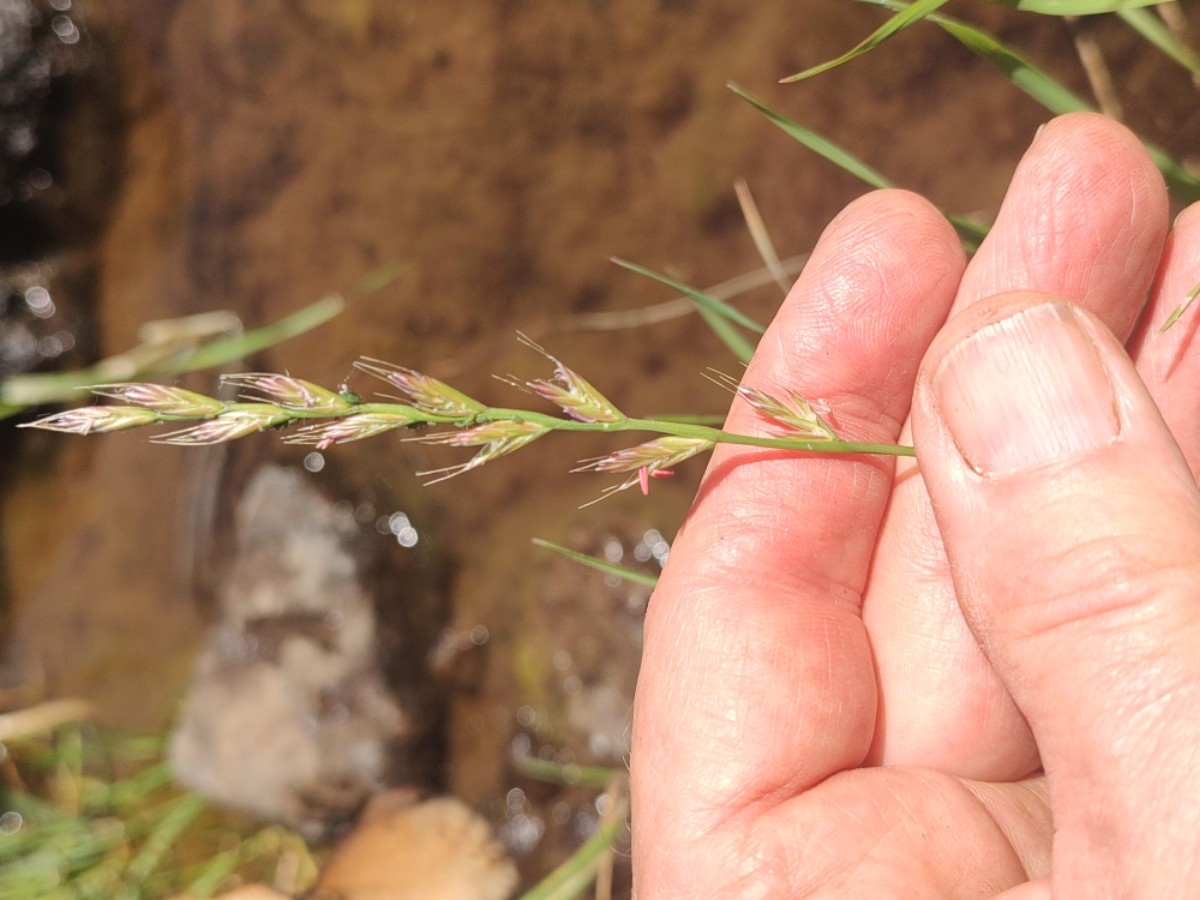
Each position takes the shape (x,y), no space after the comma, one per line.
(602,565)
(1183,307)
(1076,7)
(1151,27)
(822,146)
(893,26)
(969,231)
(1049,92)
(719,315)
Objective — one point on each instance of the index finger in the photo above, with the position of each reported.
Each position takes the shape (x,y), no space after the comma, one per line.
(757,679)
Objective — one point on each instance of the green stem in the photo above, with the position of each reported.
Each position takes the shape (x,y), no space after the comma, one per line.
(556,423)
(687,429)
(577,873)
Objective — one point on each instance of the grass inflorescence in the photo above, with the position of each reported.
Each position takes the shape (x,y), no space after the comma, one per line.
(322,418)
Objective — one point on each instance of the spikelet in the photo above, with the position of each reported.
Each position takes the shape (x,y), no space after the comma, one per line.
(570,391)
(795,414)
(289,393)
(423,391)
(353,427)
(653,459)
(495,438)
(95,419)
(168,401)
(235,422)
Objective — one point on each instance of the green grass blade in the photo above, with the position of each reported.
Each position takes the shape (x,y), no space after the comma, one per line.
(1182,184)
(22,391)
(577,873)
(1075,7)
(839,156)
(1049,92)
(736,343)
(557,773)
(225,350)
(717,313)
(699,297)
(1178,312)
(1151,27)
(893,26)
(603,565)
(1035,82)
(179,814)
(1057,98)
(971,232)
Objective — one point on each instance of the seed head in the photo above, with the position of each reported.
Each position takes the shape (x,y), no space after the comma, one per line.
(288,393)
(95,419)
(795,414)
(235,422)
(653,459)
(424,392)
(350,428)
(571,391)
(495,438)
(170,401)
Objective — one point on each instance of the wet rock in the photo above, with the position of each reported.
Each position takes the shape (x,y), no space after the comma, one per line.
(435,850)
(290,716)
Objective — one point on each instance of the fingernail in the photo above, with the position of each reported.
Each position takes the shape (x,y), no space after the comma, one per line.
(1026,391)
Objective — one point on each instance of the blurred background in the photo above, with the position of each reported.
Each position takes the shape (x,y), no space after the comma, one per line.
(457,172)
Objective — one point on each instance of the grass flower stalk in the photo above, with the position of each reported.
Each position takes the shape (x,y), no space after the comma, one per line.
(323,418)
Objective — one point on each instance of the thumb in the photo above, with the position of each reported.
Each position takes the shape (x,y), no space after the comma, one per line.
(1072,526)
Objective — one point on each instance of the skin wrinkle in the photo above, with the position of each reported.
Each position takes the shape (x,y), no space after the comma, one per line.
(757,518)
(800,877)
(849,285)
(728,804)
(1102,588)
(767,650)
(1033,802)
(876,865)
(1062,261)
(1144,689)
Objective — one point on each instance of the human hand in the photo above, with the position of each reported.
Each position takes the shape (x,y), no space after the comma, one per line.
(856,671)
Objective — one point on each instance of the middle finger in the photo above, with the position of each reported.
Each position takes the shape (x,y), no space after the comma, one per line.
(1084,218)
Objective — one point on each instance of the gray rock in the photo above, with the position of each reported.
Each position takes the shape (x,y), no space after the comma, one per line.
(289,717)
